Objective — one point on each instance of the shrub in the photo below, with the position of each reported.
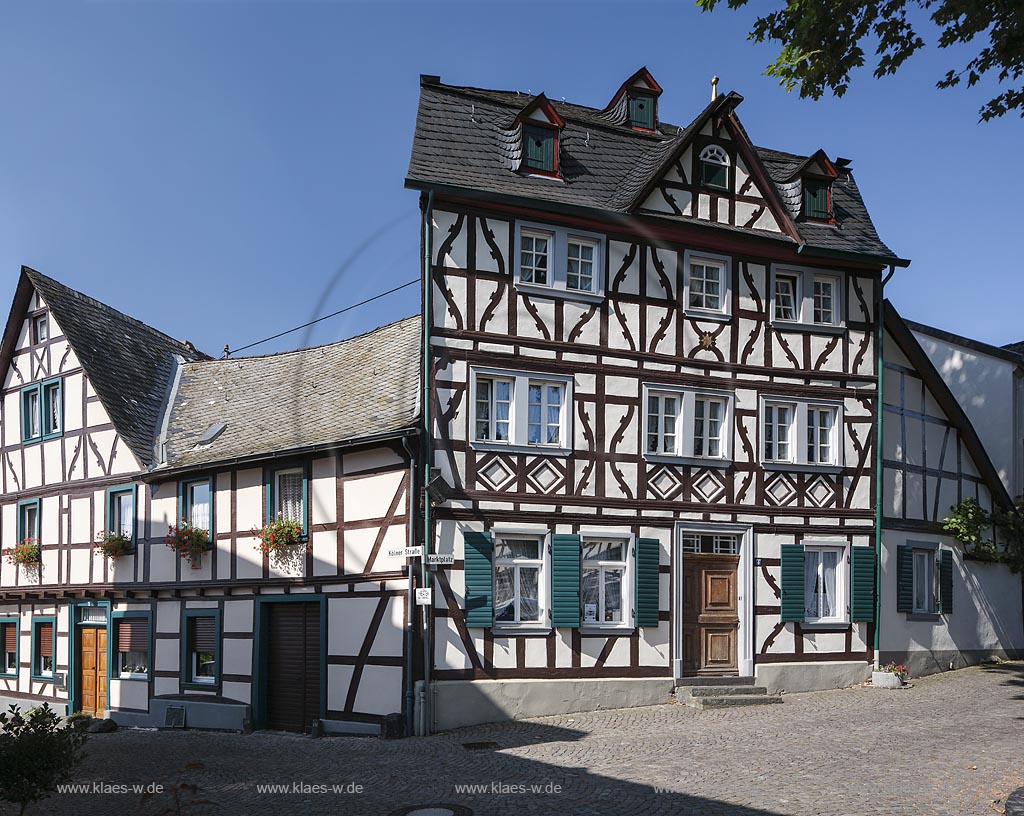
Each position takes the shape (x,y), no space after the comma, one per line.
(37,753)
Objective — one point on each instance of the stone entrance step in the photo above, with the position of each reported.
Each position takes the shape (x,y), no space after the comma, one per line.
(722,692)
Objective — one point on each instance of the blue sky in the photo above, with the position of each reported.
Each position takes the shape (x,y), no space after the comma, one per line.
(225,170)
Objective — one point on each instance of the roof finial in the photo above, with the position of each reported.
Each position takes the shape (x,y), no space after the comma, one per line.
(714,88)
(227,351)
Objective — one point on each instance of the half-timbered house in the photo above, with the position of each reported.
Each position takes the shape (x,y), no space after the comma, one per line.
(110,425)
(653,376)
(950,433)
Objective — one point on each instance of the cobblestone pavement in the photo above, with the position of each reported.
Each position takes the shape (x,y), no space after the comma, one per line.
(953,744)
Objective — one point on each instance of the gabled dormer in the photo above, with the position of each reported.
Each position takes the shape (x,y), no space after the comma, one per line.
(540,126)
(635,103)
(816,175)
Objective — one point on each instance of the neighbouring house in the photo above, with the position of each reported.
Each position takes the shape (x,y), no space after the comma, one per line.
(951,432)
(111,426)
(653,362)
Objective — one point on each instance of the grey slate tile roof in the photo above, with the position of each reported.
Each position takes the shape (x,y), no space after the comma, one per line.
(128,363)
(1016,348)
(364,386)
(462,141)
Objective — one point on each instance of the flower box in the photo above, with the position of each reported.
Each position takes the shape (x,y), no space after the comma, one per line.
(279,536)
(188,542)
(113,545)
(26,552)
(885,680)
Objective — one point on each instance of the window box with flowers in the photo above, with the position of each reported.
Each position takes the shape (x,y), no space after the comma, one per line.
(279,535)
(188,542)
(113,545)
(26,552)
(891,675)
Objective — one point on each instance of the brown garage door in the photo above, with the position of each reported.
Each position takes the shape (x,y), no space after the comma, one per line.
(293,666)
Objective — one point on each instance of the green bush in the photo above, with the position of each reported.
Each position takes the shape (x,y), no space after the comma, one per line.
(37,753)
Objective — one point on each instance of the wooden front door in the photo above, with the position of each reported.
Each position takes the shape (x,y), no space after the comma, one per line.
(93,676)
(710,614)
(293,666)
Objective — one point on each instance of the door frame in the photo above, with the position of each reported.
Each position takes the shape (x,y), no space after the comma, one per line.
(744,592)
(75,646)
(260,653)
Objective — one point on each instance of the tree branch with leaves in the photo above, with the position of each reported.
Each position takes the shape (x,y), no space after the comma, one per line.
(823,41)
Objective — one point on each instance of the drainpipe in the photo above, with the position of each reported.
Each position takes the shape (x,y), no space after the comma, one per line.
(879,470)
(428,288)
(410,604)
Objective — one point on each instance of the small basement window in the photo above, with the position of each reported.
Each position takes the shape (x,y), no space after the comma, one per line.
(714,167)
(641,110)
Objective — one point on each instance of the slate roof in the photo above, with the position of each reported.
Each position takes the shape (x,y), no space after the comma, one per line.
(462,141)
(364,386)
(128,363)
(1016,348)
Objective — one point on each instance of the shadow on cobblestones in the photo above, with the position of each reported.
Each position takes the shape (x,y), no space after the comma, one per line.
(1014,674)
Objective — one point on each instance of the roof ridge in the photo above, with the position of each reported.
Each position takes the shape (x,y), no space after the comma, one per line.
(341,342)
(34,275)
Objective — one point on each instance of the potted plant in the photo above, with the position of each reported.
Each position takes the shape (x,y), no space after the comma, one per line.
(188,542)
(26,552)
(891,675)
(112,545)
(278,535)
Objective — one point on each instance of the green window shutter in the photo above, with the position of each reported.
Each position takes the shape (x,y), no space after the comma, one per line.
(815,198)
(565,581)
(792,583)
(946,582)
(904,578)
(479,549)
(641,110)
(862,583)
(648,581)
(539,145)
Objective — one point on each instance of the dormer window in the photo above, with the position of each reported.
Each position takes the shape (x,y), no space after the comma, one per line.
(539,148)
(641,109)
(714,167)
(817,199)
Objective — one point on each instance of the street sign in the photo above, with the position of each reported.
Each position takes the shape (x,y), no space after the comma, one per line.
(437,558)
(423,597)
(405,552)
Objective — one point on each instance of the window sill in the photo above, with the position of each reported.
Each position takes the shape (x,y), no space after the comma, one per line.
(698,314)
(191,685)
(693,461)
(536,450)
(796,467)
(42,678)
(520,631)
(559,292)
(610,629)
(131,677)
(8,675)
(924,617)
(814,328)
(825,625)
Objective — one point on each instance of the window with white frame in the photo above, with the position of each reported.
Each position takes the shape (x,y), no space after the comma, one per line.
(519,596)
(787,289)
(662,422)
(197,504)
(707,283)
(711,544)
(40,328)
(714,167)
(924,582)
(821,435)
(513,408)
(493,409)
(580,273)
(778,431)
(604,586)
(686,423)
(805,296)
(558,259)
(545,413)
(824,583)
(800,433)
(534,254)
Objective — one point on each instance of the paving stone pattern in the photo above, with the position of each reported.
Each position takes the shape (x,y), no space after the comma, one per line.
(951,745)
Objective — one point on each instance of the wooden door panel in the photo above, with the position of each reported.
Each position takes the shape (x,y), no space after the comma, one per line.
(101,671)
(710,614)
(87,661)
